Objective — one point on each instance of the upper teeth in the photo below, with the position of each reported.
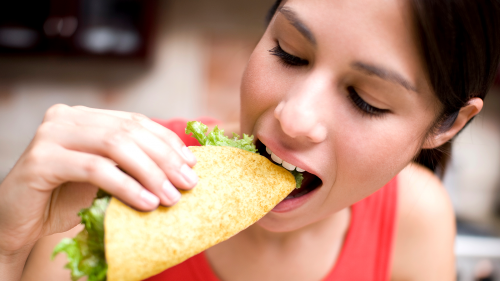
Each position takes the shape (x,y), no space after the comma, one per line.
(276,158)
(288,166)
(285,164)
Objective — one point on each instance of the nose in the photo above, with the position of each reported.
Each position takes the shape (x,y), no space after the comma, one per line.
(301,113)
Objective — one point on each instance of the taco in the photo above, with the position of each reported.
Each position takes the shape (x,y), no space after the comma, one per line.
(236,188)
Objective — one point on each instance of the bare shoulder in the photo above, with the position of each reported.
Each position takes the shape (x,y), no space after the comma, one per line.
(426,228)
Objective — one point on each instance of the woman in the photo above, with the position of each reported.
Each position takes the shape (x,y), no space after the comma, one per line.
(351,91)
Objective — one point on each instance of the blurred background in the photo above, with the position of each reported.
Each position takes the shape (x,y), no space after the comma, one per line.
(184,58)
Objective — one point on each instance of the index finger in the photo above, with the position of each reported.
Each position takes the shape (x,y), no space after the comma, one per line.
(160,131)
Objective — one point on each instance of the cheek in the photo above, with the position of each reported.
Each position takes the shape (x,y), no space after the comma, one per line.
(262,87)
(371,152)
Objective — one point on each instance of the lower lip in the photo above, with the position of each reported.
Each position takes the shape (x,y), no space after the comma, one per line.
(291,204)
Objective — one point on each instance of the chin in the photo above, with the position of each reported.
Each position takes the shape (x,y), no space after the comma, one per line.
(277,223)
(282,222)
(273,225)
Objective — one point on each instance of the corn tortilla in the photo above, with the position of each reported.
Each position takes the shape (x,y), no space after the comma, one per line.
(236,188)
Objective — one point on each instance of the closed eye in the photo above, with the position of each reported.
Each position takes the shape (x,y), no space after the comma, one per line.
(286,58)
(364,106)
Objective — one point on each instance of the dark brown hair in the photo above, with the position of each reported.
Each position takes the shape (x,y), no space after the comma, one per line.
(460,41)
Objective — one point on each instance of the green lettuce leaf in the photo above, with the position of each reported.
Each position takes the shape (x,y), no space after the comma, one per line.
(85,252)
(298,178)
(217,137)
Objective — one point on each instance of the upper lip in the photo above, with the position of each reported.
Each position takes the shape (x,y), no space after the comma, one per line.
(285,155)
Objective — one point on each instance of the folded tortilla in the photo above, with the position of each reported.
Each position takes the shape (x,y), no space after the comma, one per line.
(235,189)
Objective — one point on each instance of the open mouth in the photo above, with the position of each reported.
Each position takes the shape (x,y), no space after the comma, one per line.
(310,181)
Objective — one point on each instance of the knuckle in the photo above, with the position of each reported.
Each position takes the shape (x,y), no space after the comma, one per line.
(36,155)
(125,185)
(81,107)
(115,138)
(130,126)
(155,173)
(138,117)
(46,128)
(55,111)
(36,161)
(163,153)
(92,166)
(176,142)
(172,160)
(172,137)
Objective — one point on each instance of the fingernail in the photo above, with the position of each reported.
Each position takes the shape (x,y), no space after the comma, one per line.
(149,198)
(171,192)
(189,175)
(188,155)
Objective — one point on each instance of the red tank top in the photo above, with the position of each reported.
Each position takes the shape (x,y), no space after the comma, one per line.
(365,255)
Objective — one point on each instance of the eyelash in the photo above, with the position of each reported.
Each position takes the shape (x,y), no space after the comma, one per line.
(287,59)
(363,105)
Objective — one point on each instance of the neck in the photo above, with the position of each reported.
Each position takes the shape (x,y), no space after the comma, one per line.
(332,227)
(315,248)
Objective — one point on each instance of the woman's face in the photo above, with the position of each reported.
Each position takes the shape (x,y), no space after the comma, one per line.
(337,88)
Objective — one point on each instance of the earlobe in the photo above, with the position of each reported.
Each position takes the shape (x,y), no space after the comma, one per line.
(471,109)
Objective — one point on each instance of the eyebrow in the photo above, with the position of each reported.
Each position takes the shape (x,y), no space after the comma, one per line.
(384,74)
(292,17)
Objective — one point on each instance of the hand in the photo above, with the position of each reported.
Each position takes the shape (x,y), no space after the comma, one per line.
(75,150)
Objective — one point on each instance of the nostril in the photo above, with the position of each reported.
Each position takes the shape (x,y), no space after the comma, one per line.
(291,129)
(317,134)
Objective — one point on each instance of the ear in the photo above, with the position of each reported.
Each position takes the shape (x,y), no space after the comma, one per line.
(466,113)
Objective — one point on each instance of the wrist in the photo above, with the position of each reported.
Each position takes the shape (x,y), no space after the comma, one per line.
(12,264)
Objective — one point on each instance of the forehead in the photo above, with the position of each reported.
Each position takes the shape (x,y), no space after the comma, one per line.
(377,31)
(368,15)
